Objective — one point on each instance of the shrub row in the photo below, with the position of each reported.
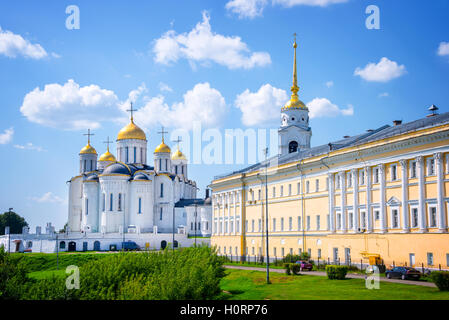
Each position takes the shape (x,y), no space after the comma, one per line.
(189,273)
(292,268)
(441,279)
(336,272)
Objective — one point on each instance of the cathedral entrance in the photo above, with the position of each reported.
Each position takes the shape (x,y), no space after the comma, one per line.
(84,246)
(72,246)
(97,246)
(163,244)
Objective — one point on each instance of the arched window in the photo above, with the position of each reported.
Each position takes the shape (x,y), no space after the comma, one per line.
(292,147)
(87,207)
(111,202)
(62,245)
(127,155)
(140,205)
(119,202)
(135,154)
(29,244)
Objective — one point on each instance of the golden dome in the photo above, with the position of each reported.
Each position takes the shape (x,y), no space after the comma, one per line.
(162,148)
(131,131)
(107,156)
(294,103)
(178,155)
(88,149)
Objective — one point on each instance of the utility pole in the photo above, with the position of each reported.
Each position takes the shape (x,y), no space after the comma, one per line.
(266,214)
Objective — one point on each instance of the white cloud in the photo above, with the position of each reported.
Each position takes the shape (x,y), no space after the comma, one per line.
(322,107)
(163,87)
(204,46)
(254,8)
(29,146)
(70,106)
(329,84)
(262,106)
(443,49)
(13,45)
(202,103)
(383,94)
(246,8)
(48,197)
(384,71)
(6,136)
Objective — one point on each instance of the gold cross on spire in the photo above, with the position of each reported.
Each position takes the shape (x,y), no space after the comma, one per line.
(131,110)
(108,142)
(88,134)
(162,132)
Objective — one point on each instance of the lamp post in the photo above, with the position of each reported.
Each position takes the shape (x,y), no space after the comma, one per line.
(9,229)
(299,166)
(173,245)
(266,214)
(195,223)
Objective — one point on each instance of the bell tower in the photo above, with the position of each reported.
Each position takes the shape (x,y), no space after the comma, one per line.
(294,132)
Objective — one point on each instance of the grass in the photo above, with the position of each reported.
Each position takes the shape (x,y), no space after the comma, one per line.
(39,275)
(250,285)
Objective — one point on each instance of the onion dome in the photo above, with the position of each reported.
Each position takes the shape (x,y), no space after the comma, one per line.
(294,102)
(117,168)
(131,131)
(162,148)
(88,149)
(140,176)
(178,155)
(107,156)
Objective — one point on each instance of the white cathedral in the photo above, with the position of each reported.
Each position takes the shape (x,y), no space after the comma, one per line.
(125,198)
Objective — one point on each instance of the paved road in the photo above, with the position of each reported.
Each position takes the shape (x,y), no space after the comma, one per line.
(349,275)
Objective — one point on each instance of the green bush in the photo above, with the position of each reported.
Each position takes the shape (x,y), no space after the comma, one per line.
(336,272)
(296,268)
(441,279)
(290,258)
(12,276)
(287,268)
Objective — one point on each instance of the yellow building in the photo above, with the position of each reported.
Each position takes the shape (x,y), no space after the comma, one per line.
(384,192)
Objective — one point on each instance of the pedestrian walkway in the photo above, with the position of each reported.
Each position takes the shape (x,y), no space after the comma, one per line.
(349,275)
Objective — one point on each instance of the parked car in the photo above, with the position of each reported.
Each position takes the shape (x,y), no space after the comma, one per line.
(403,273)
(304,265)
(130,245)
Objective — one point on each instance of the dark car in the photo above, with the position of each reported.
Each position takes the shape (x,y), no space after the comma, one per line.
(403,273)
(130,245)
(304,265)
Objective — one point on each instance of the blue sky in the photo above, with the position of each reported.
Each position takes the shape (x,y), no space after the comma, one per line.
(213,60)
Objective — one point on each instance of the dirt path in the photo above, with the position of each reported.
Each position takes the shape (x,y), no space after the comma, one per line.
(349,275)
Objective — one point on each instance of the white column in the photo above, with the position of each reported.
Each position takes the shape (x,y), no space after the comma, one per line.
(229,212)
(422,195)
(331,203)
(405,214)
(368,213)
(343,201)
(441,208)
(235,211)
(355,188)
(383,213)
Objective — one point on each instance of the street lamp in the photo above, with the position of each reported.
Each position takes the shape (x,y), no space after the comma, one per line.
(9,229)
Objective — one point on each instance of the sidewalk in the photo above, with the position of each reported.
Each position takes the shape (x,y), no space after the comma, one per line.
(349,275)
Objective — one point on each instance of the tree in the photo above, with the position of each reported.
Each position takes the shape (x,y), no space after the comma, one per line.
(64,230)
(14,221)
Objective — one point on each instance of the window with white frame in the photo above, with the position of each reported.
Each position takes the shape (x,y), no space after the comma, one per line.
(413,169)
(394,218)
(337,182)
(317,185)
(252,225)
(328,218)
(282,191)
(349,180)
(362,177)
(338,221)
(414,214)
(351,220)
(308,222)
(299,222)
(429,258)
(318,222)
(432,217)
(307,186)
(290,223)
(289,189)
(259,194)
(282,224)
(274,192)
(376,175)
(363,219)
(274,224)
(394,172)
(376,214)
(298,186)
(431,166)
(260,225)
(327,184)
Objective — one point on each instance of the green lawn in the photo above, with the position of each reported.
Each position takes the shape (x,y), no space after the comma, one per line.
(39,275)
(243,284)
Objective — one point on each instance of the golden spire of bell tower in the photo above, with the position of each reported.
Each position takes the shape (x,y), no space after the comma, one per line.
(294,102)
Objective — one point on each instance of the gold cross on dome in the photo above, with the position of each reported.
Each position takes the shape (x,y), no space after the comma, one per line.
(131,110)
(88,134)
(108,142)
(162,132)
